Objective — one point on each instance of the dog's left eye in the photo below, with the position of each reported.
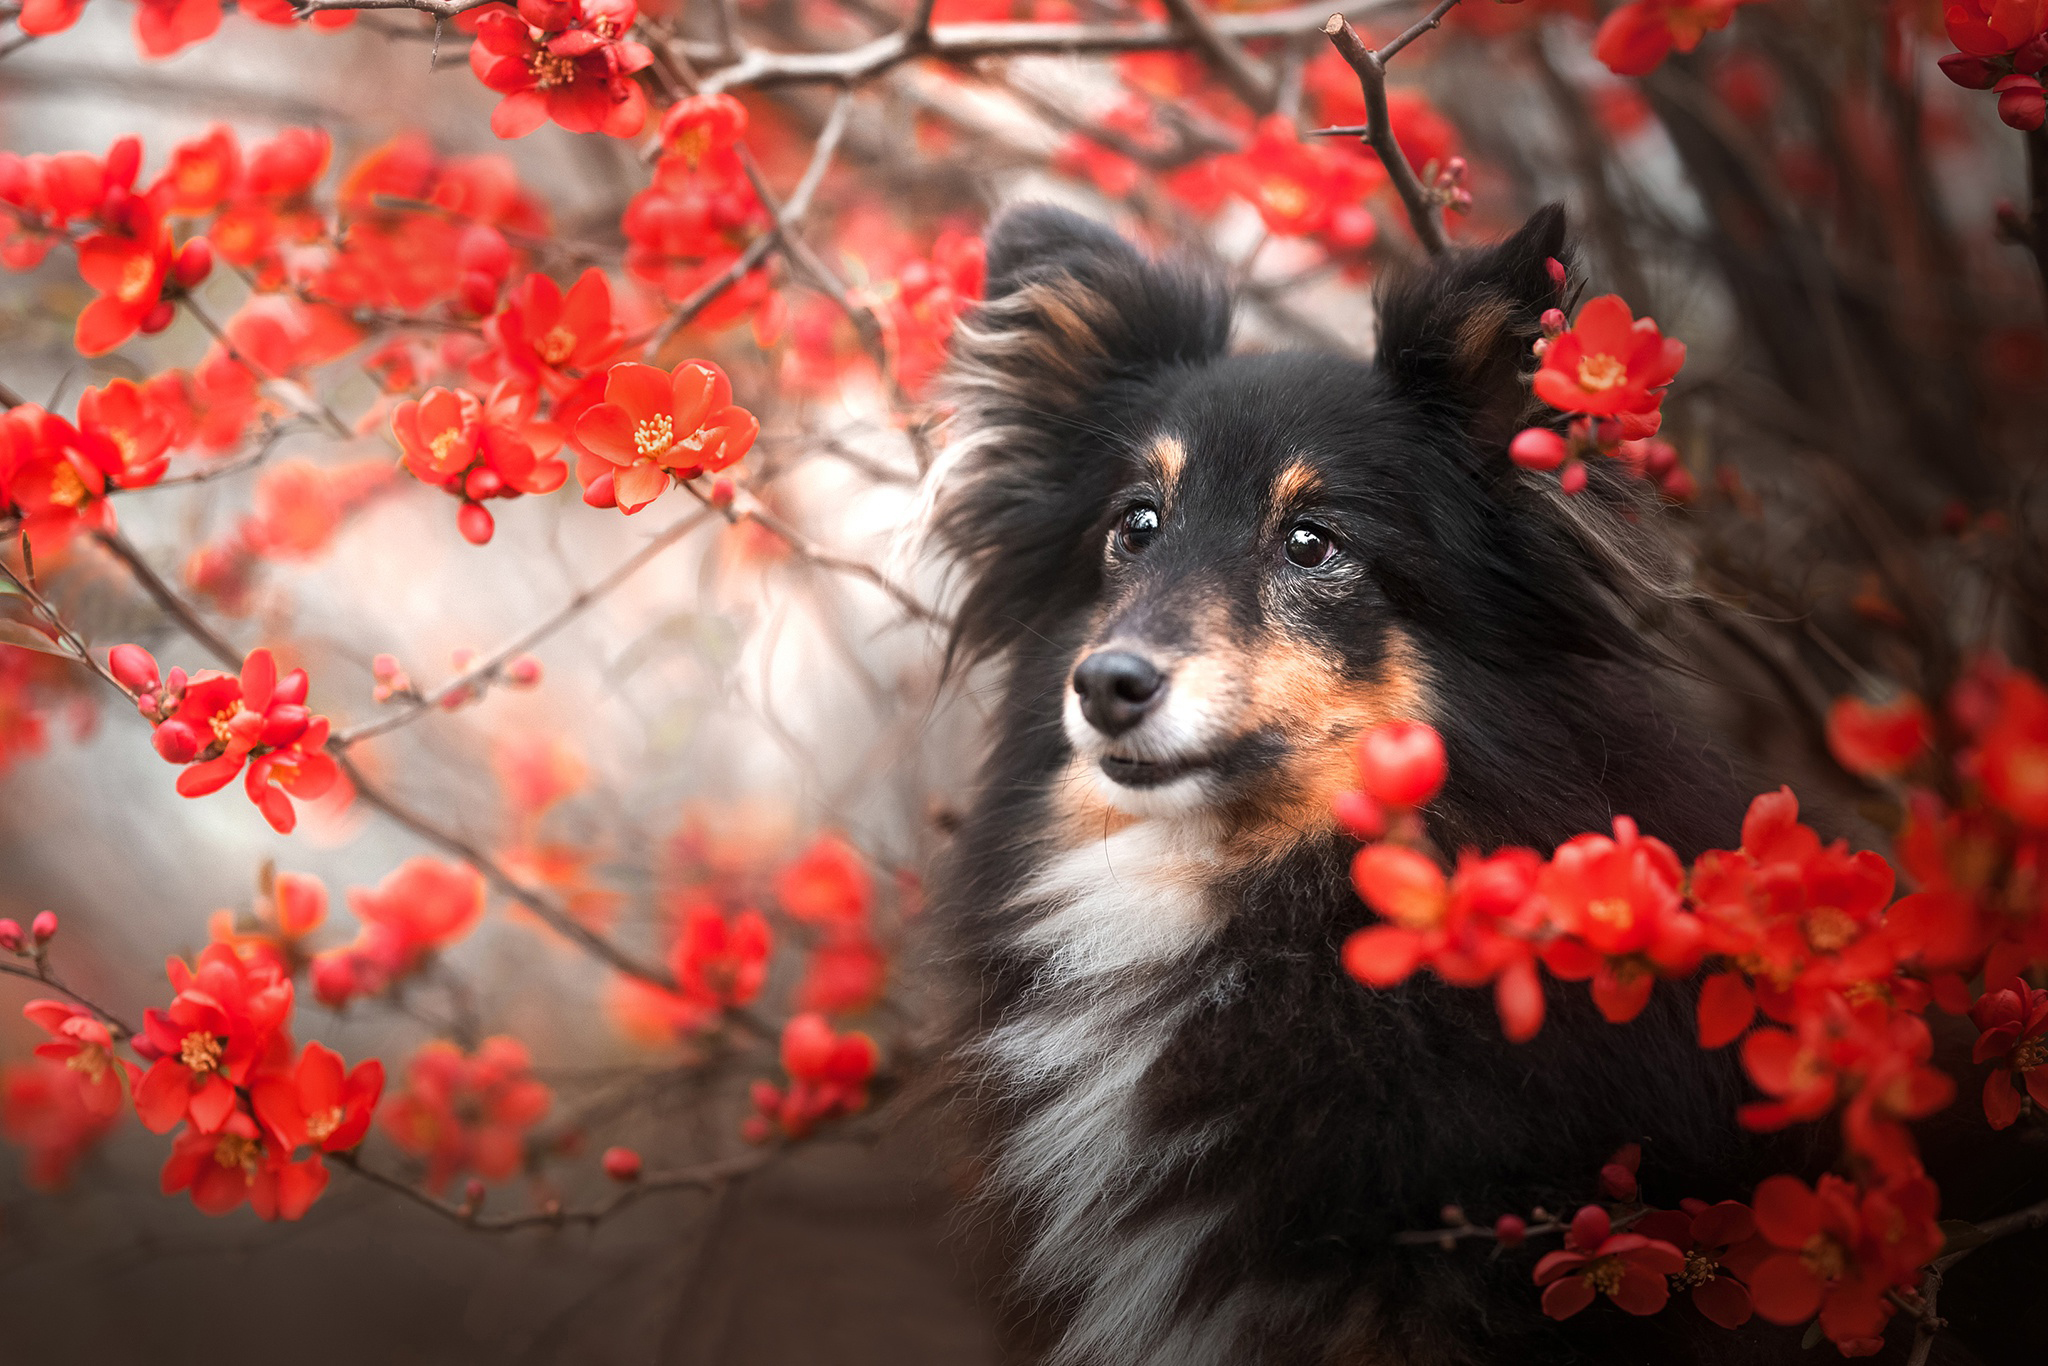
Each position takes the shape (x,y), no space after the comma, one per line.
(1310,546)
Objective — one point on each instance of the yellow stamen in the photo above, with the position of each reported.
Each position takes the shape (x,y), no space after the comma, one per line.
(1612,910)
(233,1150)
(319,1126)
(1604,1275)
(549,70)
(654,437)
(1829,928)
(66,488)
(91,1063)
(201,1052)
(136,279)
(1600,373)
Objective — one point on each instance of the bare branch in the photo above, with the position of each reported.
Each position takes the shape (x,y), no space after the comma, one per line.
(486,671)
(811,552)
(57,624)
(41,975)
(173,606)
(1424,214)
(1247,78)
(709,1176)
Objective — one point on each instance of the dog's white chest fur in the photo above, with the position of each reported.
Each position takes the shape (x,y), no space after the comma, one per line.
(1108,917)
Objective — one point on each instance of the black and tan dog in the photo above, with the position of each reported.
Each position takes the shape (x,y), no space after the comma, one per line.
(1202,575)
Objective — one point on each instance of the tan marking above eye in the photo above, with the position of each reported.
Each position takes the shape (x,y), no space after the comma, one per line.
(1168,458)
(1298,483)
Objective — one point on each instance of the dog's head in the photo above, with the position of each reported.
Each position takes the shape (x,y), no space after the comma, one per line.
(1220,568)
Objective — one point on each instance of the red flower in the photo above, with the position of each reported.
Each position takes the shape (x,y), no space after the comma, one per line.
(2012,1023)
(43,1107)
(85,1046)
(438,432)
(1839,1250)
(652,426)
(165,26)
(223,1168)
(1296,186)
(842,976)
(1401,763)
(467,1112)
(217,723)
(1628,1268)
(719,960)
(1993,28)
(828,885)
(581,77)
(420,907)
(1615,905)
(224,1023)
(130,435)
(555,337)
(1721,1248)
(700,126)
(129,274)
(1609,363)
(828,1076)
(2011,758)
(42,17)
(1636,38)
(315,1104)
(1878,741)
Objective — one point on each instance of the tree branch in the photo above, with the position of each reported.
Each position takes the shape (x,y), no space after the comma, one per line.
(1247,79)
(708,1176)
(42,976)
(1424,214)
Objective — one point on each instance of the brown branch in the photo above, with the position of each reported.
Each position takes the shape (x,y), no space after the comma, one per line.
(262,452)
(325,413)
(708,1176)
(57,624)
(486,671)
(1247,79)
(440,9)
(173,606)
(1424,213)
(2019,1221)
(556,918)
(965,42)
(42,976)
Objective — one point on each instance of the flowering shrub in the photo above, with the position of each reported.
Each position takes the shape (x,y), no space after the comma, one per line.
(288,341)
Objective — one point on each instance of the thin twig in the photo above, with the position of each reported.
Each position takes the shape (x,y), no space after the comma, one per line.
(1246,77)
(42,976)
(219,334)
(709,1176)
(173,606)
(811,552)
(485,671)
(57,624)
(2019,1221)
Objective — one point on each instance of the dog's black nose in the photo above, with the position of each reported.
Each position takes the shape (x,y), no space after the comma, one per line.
(1117,688)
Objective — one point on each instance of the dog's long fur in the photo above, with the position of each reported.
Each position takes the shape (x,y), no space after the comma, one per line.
(1204,1133)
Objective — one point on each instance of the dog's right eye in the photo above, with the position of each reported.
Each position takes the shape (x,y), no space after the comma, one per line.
(1137,529)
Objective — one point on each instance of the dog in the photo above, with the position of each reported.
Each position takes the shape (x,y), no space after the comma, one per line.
(1201,575)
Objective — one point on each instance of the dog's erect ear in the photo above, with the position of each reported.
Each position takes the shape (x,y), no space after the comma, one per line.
(1074,315)
(1455,334)
(1071,307)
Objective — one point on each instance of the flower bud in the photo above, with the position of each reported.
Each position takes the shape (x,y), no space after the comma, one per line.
(44,926)
(134,666)
(478,292)
(174,681)
(159,317)
(335,979)
(1553,322)
(1617,1182)
(1509,1230)
(475,523)
(283,724)
(1574,477)
(723,491)
(194,263)
(1556,269)
(2020,103)
(2031,55)
(598,492)
(10,936)
(523,672)
(1971,73)
(622,1164)
(1537,448)
(482,250)
(482,482)
(1590,1227)
(1360,814)
(473,1193)
(177,742)
(1402,762)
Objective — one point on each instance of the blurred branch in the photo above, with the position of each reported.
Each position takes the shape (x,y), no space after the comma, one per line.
(485,671)
(1424,215)
(708,1176)
(173,606)
(41,974)
(809,551)
(64,632)
(2037,201)
(1247,79)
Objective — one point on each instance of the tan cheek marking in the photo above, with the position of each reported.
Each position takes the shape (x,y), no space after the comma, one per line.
(1303,695)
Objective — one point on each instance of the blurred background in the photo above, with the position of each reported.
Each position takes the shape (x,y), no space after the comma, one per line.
(1852,473)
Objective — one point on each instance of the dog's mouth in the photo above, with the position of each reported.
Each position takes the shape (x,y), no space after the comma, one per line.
(1148,772)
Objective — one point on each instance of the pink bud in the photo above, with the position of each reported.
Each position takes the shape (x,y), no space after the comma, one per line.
(473,1192)
(1574,477)
(1553,322)
(475,523)
(134,666)
(598,492)
(723,491)
(194,263)
(523,672)
(44,926)
(159,317)
(622,1164)
(177,742)
(2020,103)
(385,668)
(174,681)
(1510,1230)
(10,936)
(1537,448)
(335,979)
(146,703)
(1455,168)
(1556,269)
(482,482)
(482,249)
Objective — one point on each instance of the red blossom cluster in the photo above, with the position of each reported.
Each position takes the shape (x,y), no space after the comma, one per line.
(420,907)
(1805,934)
(467,1111)
(828,1077)
(1610,369)
(828,890)
(219,725)
(569,61)
(699,212)
(1635,38)
(2001,46)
